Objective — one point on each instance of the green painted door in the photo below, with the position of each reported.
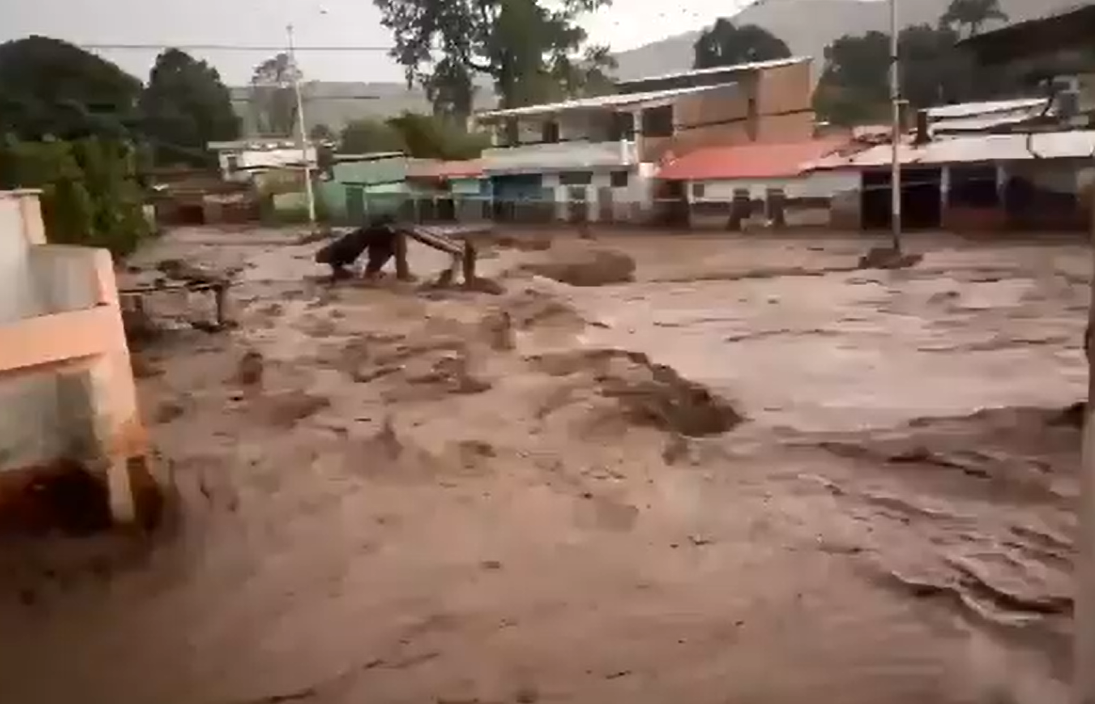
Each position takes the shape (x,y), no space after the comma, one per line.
(355,204)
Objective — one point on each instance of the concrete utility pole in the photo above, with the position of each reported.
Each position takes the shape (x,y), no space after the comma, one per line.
(895,106)
(302,132)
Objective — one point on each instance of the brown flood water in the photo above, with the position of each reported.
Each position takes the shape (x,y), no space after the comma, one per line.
(406,510)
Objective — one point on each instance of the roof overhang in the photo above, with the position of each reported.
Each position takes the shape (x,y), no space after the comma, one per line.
(617,102)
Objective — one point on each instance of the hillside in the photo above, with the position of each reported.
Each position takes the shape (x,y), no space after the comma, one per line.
(808,26)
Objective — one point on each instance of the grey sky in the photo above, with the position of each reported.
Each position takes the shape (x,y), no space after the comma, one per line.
(628,24)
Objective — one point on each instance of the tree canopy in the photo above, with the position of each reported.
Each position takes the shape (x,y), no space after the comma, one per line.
(52,88)
(419,136)
(184,107)
(972,15)
(527,47)
(854,86)
(273,100)
(725,44)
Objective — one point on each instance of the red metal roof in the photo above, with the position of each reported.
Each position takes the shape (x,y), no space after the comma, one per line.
(444,170)
(747,161)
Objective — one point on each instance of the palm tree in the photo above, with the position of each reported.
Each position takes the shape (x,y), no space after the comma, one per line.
(974,14)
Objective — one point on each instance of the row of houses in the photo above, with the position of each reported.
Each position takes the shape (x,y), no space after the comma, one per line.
(730,147)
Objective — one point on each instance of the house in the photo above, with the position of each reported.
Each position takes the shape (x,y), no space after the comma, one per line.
(725,185)
(976,182)
(245,159)
(65,378)
(449,190)
(1054,49)
(356,186)
(595,159)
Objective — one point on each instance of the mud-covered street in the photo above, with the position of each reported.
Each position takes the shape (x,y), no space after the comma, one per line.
(754,474)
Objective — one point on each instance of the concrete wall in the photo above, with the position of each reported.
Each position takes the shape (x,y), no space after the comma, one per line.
(257,159)
(774,105)
(60,332)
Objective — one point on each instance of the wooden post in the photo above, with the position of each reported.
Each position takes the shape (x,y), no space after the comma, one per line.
(469,263)
(402,267)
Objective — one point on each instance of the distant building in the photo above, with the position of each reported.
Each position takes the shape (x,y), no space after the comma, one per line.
(729,186)
(243,160)
(595,159)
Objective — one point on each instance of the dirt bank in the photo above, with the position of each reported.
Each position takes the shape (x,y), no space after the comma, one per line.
(638,492)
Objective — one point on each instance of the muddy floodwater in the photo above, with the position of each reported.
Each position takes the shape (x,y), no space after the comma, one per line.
(754,474)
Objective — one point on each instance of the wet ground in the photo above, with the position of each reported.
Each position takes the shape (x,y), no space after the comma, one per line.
(400,495)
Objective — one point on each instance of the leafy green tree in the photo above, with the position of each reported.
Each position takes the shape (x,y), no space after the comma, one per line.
(972,15)
(520,44)
(368,136)
(321,132)
(450,90)
(273,99)
(725,44)
(184,107)
(90,194)
(52,88)
(431,137)
(854,87)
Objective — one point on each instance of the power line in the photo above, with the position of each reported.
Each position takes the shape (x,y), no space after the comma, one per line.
(228,47)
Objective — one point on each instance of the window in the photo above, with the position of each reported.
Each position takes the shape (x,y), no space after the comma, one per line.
(698,190)
(231,164)
(575,178)
(658,122)
(550,132)
(619,179)
(621,126)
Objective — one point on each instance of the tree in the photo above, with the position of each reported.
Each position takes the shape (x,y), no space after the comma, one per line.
(51,88)
(321,133)
(854,86)
(368,136)
(184,107)
(727,45)
(416,135)
(273,98)
(972,14)
(521,44)
(449,89)
(89,188)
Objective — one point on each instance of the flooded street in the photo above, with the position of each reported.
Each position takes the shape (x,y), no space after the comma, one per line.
(753,475)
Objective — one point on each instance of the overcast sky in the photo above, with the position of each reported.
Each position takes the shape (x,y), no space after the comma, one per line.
(628,24)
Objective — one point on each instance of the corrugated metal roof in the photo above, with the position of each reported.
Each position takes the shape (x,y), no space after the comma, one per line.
(973,149)
(600,102)
(985,108)
(748,161)
(737,68)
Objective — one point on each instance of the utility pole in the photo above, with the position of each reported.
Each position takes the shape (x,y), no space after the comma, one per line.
(895,106)
(302,132)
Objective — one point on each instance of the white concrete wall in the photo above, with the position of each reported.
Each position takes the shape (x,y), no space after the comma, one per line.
(18,297)
(249,160)
(42,415)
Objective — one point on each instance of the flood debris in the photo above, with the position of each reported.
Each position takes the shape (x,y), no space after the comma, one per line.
(647,393)
(579,264)
(889,258)
(250,370)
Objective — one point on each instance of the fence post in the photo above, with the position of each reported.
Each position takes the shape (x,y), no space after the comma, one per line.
(402,267)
